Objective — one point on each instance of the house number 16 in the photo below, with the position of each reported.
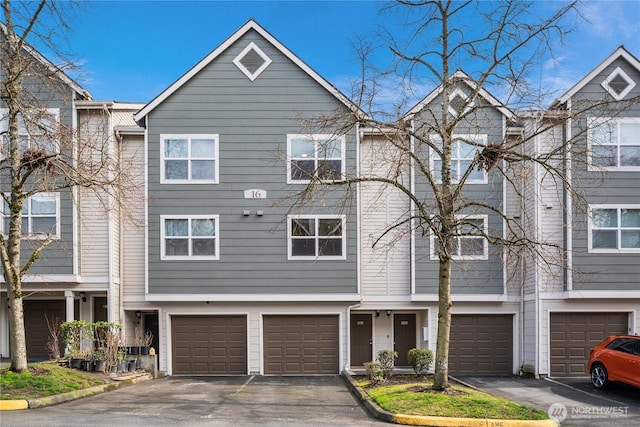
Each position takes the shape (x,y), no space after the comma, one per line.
(255,194)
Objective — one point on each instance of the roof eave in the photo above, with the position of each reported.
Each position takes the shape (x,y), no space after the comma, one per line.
(249,25)
(621,51)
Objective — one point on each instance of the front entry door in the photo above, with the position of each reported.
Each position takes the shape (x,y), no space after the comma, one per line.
(361,339)
(404,336)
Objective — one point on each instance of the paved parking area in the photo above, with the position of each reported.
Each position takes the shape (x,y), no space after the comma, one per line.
(572,400)
(210,401)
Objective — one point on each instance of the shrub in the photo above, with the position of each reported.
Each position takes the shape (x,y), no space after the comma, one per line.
(421,360)
(387,357)
(375,372)
(74,333)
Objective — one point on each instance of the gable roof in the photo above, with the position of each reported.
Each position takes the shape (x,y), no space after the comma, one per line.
(620,52)
(249,25)
(459,74)
(55,70)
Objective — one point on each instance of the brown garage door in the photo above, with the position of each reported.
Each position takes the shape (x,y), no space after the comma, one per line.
(209,345)
(35,324)
(301,345)
(481,344)
(574,334)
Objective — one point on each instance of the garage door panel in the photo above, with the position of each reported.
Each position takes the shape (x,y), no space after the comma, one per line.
(310,346)
(481,344)
(36,329)
(572,336)
(209,345)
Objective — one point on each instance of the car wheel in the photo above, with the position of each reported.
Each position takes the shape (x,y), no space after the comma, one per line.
(599,376)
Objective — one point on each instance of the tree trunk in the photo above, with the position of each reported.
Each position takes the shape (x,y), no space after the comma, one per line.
(17,342)
(441,377)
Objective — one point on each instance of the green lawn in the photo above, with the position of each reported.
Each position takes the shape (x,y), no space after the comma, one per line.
(44,379)
(415,397)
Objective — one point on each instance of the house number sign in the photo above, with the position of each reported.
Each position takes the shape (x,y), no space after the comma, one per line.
(255,194)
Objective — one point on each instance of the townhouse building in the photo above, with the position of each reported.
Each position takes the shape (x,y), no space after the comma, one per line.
(595,290)
(218,258)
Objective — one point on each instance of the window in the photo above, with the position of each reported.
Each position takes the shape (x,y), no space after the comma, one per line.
(189,159)
(614,143)
(35,133)
(40,216)
(252,61)
(310,156)
(463,151)
(459,103)
(618,84)
(189,237)
(614,229)
(469,243)
(313,237)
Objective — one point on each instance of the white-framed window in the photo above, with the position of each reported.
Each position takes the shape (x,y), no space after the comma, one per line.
(316,237)
(318,155)
(189,237)
(469,242)
(252,61)
(189,159)
(38,132)
(614,143)
(40,216)
(618,84)
(614,228)
(463,151)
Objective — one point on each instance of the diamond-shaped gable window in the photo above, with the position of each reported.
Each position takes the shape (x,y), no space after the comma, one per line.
(459,102)
(252,61)
(618,84)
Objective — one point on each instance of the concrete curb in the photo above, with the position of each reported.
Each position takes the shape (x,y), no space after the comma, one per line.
(421,420)
(10,405)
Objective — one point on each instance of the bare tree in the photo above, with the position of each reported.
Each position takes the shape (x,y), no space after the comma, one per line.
(43,153)
(499,43)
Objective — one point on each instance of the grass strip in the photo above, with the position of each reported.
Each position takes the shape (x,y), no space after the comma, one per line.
(44,379)
(417,398)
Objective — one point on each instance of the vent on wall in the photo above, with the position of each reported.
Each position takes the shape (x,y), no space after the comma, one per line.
(252,61)
(618,84)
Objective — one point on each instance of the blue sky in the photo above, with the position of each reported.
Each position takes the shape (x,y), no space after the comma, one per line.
(133,50)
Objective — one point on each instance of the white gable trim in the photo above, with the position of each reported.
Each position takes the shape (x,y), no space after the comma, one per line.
(620,52)
(250,25)
(473,85)
(52,67)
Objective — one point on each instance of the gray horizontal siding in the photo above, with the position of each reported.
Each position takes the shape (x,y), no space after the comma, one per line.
(468,277)
(252,120)
(601,271)
(57,258)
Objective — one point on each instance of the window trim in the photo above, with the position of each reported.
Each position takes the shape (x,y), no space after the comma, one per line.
(165,257)
(315,137)
(617,250)
(433,256)
(606,84)
(36,236)
(53,112)
(190,137)
(432,153)
(459,92)
(617,121)
(292,257)
(238,61)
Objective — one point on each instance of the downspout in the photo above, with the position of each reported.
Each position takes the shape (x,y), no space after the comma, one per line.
(119,139)
(347,365)
(536,278)
(110,228)
(568,205)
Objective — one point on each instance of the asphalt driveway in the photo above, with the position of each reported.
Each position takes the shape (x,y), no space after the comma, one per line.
(573,401)
(200,401)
